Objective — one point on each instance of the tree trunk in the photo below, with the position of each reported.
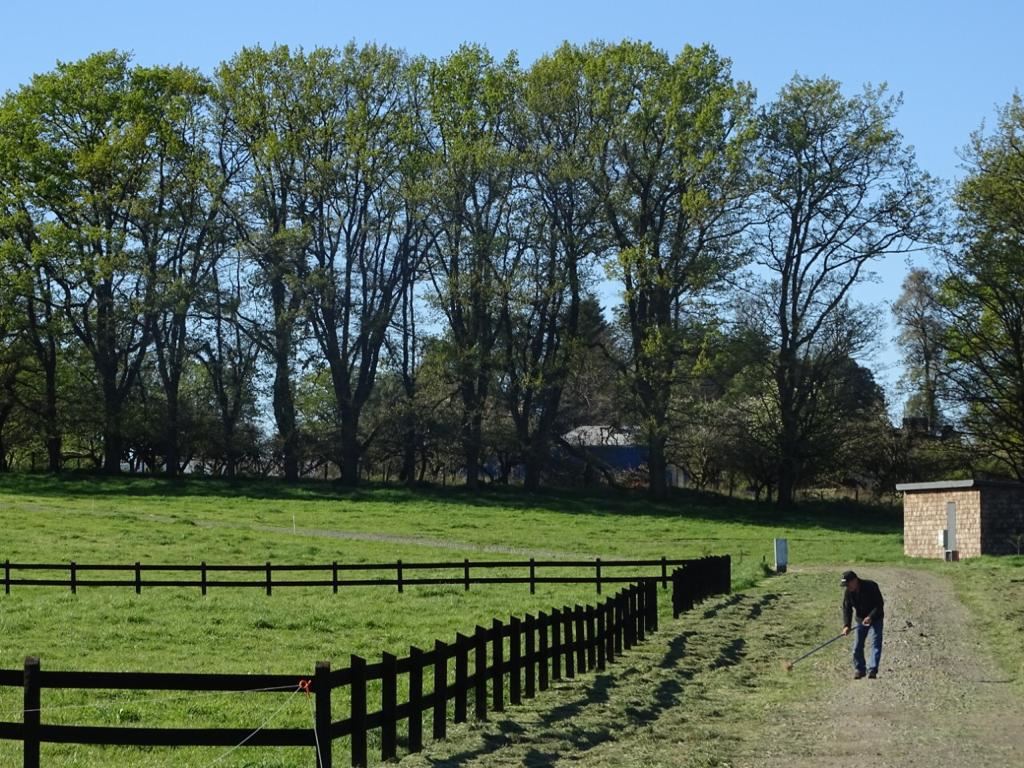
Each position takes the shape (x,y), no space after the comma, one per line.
(787,483)
(657,466)
(535,458)
(349,447)
(54,441)
(407,474)
(5,413)
(472,432)
(113,440)
(471,439)
(171,433)
(284,415)
(113,446)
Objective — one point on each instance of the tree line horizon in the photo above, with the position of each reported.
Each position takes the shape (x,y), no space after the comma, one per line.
(398,259)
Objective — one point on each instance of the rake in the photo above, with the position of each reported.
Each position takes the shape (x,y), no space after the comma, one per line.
(788,665)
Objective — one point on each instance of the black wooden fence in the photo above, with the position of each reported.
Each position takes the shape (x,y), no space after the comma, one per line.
(514,659)
(335,575)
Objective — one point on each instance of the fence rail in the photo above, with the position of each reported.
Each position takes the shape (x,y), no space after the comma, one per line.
(78,574)
(514,659)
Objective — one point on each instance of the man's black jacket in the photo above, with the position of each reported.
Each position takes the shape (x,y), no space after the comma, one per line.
(867,601)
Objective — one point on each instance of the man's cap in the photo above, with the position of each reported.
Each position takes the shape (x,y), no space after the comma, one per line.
(847,576)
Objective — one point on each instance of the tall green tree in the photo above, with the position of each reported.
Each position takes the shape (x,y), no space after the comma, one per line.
(837,191)
(230,357)
(474,105)
(918,316)
(983,294)
(363,154)
(262,110)
(541,313)
(88,137)
(672,145)
(182,235)
(29,314)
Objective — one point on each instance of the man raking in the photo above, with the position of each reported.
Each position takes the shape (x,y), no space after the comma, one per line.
(865,598)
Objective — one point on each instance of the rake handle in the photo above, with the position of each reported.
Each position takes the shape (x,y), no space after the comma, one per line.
(818,648)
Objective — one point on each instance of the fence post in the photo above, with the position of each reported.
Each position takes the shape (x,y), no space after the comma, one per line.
(600,637)
(74,578)
(726,574)
(322,720)
(676,594)
(389,706)
(597,573)
(579,619)
(640,601)
(358,705)
(530,657)
(138,578)
(497,660)
(7,577)
(334,576)
(268,578)
(515,661)
(664,573)
(480,673)
(31,715)
(533,576)
(609,630)
(568,645)
(461,673)
(624,622)
(415,699)
(440,689)
(465,576)
(202,577)
(652,605)
(543,622)
(400,590)
(591,637)
(556,644)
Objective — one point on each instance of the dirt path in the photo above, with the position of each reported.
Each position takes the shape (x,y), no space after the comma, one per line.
(940,699)
(709,691)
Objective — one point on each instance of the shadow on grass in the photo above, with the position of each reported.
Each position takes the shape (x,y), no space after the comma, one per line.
(587,721)
(840,515)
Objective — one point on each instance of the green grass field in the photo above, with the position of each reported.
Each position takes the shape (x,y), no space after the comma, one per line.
(246,631)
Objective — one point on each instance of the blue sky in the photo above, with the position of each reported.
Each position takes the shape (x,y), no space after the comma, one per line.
(954,62)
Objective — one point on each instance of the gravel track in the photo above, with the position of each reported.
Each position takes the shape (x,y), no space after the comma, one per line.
(940,699)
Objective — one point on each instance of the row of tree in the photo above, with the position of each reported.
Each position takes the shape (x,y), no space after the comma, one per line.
(400,260)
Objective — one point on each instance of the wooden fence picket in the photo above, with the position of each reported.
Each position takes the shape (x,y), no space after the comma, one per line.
(480,673)
(498,665)
(357,695)
(530,656)
(440,725)
(461,676)
(322,716)
(389,706)
(515,661)
(543,657)
(415,699)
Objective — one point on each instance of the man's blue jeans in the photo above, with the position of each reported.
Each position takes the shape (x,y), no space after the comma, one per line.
(860,633)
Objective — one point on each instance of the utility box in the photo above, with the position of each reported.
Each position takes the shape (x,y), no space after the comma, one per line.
(952,555)
(781,555)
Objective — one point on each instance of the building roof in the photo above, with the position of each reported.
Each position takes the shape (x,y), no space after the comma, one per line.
(952,485)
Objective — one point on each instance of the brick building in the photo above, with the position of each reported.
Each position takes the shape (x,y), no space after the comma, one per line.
(962,518)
